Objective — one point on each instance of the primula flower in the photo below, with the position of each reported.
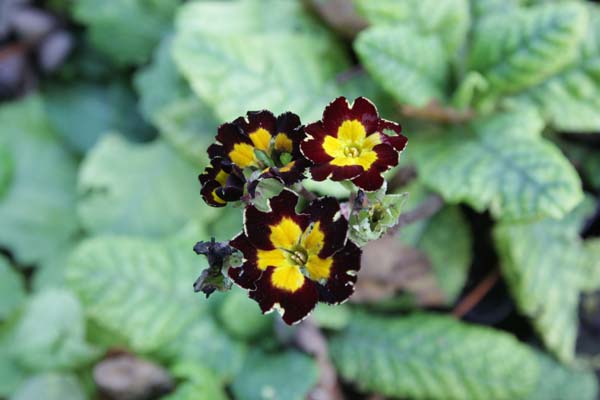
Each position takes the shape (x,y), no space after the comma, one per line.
(221,182)
(292,261)
(349,143)
(259,143)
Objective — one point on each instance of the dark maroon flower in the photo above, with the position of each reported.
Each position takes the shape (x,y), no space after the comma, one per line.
(349,143)
(221,182)
(292,261)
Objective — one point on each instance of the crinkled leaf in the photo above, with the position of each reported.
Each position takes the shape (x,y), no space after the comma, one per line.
(447,19)
(544,266)
(516,177)
(375,219)
(51,333)
(570,100)
(519,49)
(142,189)
(37,208)
(82,112)
(12,289)
(560,382)
(251,55)
(410,66)
(199,383)
(288,376)
(51,386)
(125,30)
(428,356)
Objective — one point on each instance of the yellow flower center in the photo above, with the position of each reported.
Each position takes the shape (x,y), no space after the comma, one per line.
(352,146)
(295,252)
(243,154)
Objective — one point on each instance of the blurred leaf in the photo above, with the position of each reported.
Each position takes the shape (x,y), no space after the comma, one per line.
(6,168)
(560,382)
(332,317)
(37,208)
(284,376)
(483,8)
(241,318)
(141,189)
(256,54)
(51,333)
(82,112)
(51,271)
(446,240)
(411,66)
(447,19)
(591,275)
(138,25)
(12,289)
(434,357)
(544,266)
(519,49)
(198,383)
(51,386)
(139,287)
(11,374)
(570,100)
(518,177)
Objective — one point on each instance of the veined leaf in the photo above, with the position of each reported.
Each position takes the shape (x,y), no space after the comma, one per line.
(519,49)
(141,189)
(544,264)
(560,382)
(51,333)
(570,100)
(140,288)
(37,207)
(411,66)
(516,177)
(433,357)
(483,8)
(288,375)
(12,289)
(447,19)
(235,66)
(51,386)
(138,24)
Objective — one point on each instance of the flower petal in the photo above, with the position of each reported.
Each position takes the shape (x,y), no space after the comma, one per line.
(324,171)
(370,180)
(248,273)
(340,285)
(398,141)
(326,212)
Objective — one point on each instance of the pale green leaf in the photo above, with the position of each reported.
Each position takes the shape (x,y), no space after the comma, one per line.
(138,287)
(410,66)
(570,100)
(51,333)
(12,289)
(37,208)
(199,383)
(255,58)
(517,177)
(519,49)
(483,8)
(6,168)
(428,356)
(141,189)
(591,276)
(447,19)
(543,264)
(11,374)
(241,318)
(331,316)
(284,376)
(51,386)
(125,30)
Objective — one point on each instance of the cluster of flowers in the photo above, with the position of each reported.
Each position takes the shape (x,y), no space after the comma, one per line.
(292,260)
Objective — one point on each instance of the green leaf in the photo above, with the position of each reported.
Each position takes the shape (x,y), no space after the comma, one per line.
(560,382)
(141,288)
(410,66)
(376,218)
(483,8)
(199,384)
(591,276)
(51,386)
(447,19)
(428,356)
(446,240)
(570,100)
(333,317)
(138,25)
(11,374)
(82,112)
(251,55)
(12,289)
(519,49)
(544,266)
(140,189)
(51,333)
(6,168)
(518,177)
(284,376)
(37,208)
(241,318)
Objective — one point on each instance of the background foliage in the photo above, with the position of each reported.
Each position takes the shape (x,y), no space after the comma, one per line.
(493,296)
